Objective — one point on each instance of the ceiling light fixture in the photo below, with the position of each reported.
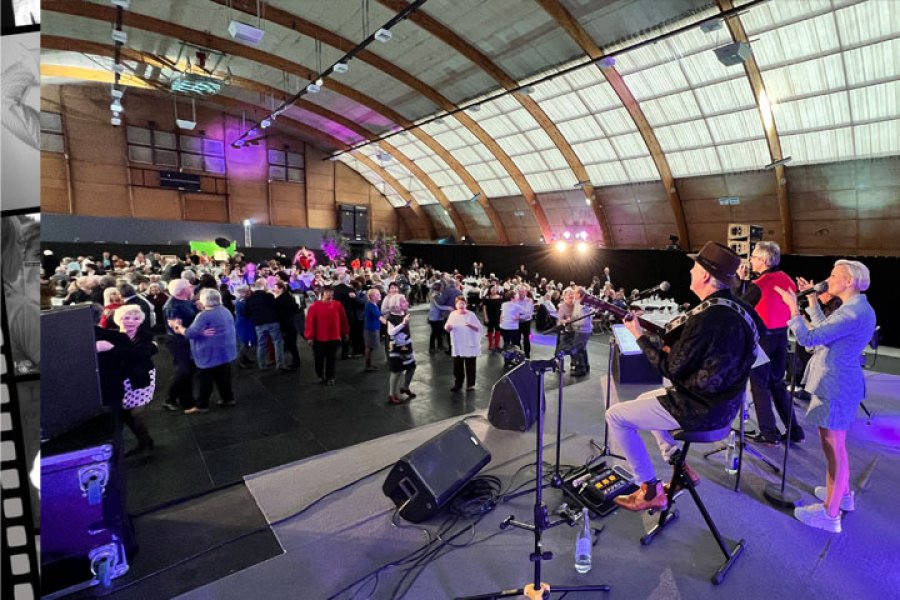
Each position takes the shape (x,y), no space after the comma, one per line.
(383,34)
(120,36)
(246,34)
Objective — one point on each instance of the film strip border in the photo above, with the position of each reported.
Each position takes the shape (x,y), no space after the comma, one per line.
(21,570)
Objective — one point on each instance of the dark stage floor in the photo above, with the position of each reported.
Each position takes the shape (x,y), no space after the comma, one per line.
(195,520)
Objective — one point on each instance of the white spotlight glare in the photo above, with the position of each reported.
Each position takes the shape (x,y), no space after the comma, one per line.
(567,234)
(383,35)
(582,235)
(265,123)
(587,201)
(582,247)
(561,246)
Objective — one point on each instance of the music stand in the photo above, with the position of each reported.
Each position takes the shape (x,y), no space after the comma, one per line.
(538,590)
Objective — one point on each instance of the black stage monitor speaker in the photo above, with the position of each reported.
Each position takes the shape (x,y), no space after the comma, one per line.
(424,480)
(514,400)
(70,391)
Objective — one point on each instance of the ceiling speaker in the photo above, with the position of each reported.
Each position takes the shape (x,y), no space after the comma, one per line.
(733,54)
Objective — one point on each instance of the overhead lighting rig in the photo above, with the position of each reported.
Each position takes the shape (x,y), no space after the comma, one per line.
(382,34)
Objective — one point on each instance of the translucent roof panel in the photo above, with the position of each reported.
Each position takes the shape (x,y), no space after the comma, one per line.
(832,72)
(468,149)
(700,161)
(392,195)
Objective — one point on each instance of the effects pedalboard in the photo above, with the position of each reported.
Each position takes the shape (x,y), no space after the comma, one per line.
(596,487)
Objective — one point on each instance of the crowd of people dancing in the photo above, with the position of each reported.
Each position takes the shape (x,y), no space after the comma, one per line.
(214,312)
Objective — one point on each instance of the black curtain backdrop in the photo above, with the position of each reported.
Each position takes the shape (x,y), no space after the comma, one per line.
(630,269)
(642,269)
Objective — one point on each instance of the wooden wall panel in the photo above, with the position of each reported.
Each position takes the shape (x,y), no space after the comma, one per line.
(823,204)
(205,207)
(100,171)
(879,237)
(54,186)
(521,225)
(288,204)
(814,235)
(157,203)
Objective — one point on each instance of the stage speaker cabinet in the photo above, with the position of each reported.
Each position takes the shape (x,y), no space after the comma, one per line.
(424,481)
(361,223)
(347,214)
(70,395)
(629,364)
(514,400)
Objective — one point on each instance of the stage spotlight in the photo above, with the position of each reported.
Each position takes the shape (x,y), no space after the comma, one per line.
(582,247)
(567,234)
(561,247)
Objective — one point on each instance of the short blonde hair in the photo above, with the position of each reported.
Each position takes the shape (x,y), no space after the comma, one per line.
(125,309)
(858,271)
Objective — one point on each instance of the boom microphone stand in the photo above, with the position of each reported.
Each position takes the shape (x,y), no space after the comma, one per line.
(538,590)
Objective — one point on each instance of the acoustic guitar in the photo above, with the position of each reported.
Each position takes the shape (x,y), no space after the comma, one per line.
(669,334)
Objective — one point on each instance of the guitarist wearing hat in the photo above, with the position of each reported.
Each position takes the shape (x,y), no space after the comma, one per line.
(708,367)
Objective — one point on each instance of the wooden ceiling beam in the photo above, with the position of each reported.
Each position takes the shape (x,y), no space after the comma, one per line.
(764,106)
(99,75)
(455,41)
(572,27)
(302,26)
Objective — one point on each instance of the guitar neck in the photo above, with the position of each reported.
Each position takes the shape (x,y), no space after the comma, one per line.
(604,306)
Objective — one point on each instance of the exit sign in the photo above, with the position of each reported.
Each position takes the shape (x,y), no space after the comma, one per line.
(729,201)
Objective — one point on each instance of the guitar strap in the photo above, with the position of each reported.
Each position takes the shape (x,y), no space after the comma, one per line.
(761,357)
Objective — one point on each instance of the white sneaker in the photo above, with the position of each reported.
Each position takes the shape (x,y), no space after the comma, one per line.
(848,502)
(814,515)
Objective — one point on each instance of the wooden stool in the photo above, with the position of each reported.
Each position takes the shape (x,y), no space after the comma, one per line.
(680,479)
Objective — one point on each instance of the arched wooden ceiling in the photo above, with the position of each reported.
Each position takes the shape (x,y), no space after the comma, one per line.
(150,24)
(565,20)
(709,129)
(53,42)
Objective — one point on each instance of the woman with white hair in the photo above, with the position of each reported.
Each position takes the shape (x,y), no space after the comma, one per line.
(130,357)
(213,348)
(835,380)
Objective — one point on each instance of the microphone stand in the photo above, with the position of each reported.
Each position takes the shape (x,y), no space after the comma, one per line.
(783,495)
(605,449)
(538,590)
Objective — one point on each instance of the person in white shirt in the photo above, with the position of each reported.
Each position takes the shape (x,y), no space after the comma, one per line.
(465,334)
(510,312)
(526,308)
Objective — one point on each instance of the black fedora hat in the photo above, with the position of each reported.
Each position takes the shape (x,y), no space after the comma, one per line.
(719,260)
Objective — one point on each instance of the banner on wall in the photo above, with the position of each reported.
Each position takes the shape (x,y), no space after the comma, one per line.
(213,249)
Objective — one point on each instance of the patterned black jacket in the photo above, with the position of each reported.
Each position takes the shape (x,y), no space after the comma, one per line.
(708,366)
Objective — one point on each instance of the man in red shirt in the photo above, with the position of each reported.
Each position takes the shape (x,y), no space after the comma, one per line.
(767,381)
(326,326)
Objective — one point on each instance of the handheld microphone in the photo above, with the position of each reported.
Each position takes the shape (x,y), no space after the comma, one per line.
(662,287)
(820,287)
